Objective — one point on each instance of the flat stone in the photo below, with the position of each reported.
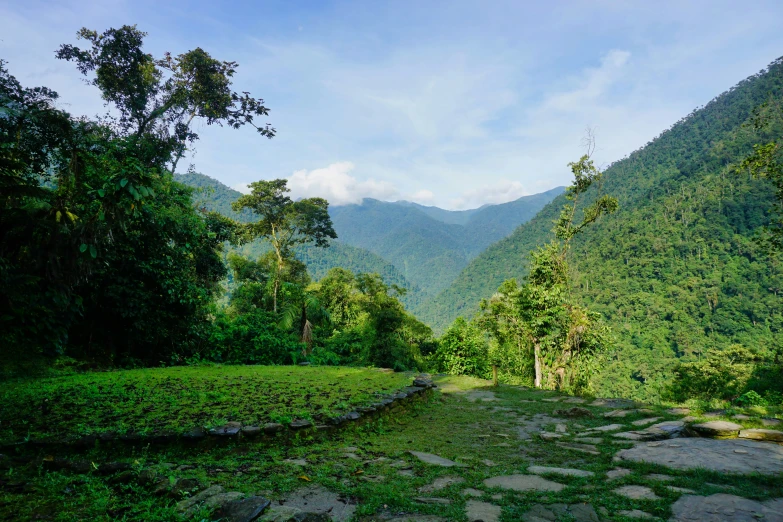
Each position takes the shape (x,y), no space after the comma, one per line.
(522,434)
(762,434)
(717,429)
(548,435)
(771,422)
(214,501)
(608,427)
(188,503)
(245,510)
(584,448)
(659,477)
(711,454)
(618,413)
(271,428)
(636,492)
(660,431)
(470,492)
(321,501)
(644,422)
(229,429)
(441,483)
(523,483)
(741,416)
(677,489)
(617,473)
(251,431)
(406,473)
(722,507)
(561,428)
(280,514)
(298,424)
(575,400)
(557,512)
(488,463)
(635,513)
(433,500)
(678,411)
(478,511)
(429,458)
(551,399)
(543,470)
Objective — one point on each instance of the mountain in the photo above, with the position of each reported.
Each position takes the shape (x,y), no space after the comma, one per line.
(215,196)
(675,271)
(429,245)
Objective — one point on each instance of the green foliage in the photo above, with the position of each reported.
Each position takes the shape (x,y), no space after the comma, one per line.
(462,350)
(676,271)
(750,398)
(723,374)
(102,254)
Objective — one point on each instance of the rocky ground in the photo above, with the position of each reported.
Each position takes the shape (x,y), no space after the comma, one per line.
(472,453)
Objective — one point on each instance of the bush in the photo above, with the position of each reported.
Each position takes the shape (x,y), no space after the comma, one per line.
(463,350)
(750,398)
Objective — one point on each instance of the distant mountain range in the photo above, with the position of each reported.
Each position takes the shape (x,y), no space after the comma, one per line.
(414,246)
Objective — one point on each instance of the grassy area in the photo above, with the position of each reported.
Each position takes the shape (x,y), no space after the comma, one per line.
(364,464)
(181,398)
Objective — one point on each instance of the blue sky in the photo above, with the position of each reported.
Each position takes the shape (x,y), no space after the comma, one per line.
(455,104)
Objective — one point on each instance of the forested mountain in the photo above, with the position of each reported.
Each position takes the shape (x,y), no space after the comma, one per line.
(419,248)
(214,195)
(676,270)
(430,246)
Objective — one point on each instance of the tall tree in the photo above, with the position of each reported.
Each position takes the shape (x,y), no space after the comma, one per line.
(285,223)
(542,311)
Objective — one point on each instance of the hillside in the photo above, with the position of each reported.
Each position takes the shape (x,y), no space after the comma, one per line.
(676,270)
(419,248)
(430,246)
(215,196)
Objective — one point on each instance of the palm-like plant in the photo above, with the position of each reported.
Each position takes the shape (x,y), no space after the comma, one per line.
(300,311)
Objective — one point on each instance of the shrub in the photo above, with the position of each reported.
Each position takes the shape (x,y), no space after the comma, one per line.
(463,350)
(750,398)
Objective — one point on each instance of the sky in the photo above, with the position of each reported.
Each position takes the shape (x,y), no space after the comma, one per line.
(456,104)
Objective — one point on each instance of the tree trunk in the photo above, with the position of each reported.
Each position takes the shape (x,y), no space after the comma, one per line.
(494,375)
(537,360)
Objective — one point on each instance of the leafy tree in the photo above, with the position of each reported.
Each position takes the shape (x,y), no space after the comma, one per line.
(462,350)
(564,336)
(302,307)
(99,243)
(285,223)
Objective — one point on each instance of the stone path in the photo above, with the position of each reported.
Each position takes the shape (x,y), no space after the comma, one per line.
(727,456)
(722,507)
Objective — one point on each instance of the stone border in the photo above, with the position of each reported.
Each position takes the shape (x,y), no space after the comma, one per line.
(234,431)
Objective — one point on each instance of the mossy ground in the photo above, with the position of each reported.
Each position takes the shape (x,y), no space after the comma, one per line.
(181,398)
(449,425)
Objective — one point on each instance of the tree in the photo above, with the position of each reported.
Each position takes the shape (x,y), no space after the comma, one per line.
(302,307)
(541,313)
(285,223)
(100,248)
(766,162)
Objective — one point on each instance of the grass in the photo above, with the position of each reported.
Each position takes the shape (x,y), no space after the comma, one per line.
(449,425)
(178,399)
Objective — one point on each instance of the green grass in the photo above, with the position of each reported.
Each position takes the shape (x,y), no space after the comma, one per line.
(178,399)
(448,425)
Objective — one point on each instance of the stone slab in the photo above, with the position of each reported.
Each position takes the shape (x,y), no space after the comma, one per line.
(717,429)
(583,448)
(726,456)
(722,507)
(543,470)
(441,483)
(523,483)
(762,434)
(478,511)
(557,512)
(434,460)
(635,492)
(319,500)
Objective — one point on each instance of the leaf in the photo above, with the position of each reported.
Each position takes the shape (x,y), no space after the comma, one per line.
(58,216)
(304,477)
(358,472)
(123,182)
(93,251)
(83,248)
(101,192)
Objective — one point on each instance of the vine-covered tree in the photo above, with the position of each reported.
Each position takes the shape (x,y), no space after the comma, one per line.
(285,223)
(541,314)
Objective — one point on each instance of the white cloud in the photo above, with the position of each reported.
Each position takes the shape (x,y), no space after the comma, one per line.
(594,83)
(336,185)
(424,197)
(244,188)
(501,191)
